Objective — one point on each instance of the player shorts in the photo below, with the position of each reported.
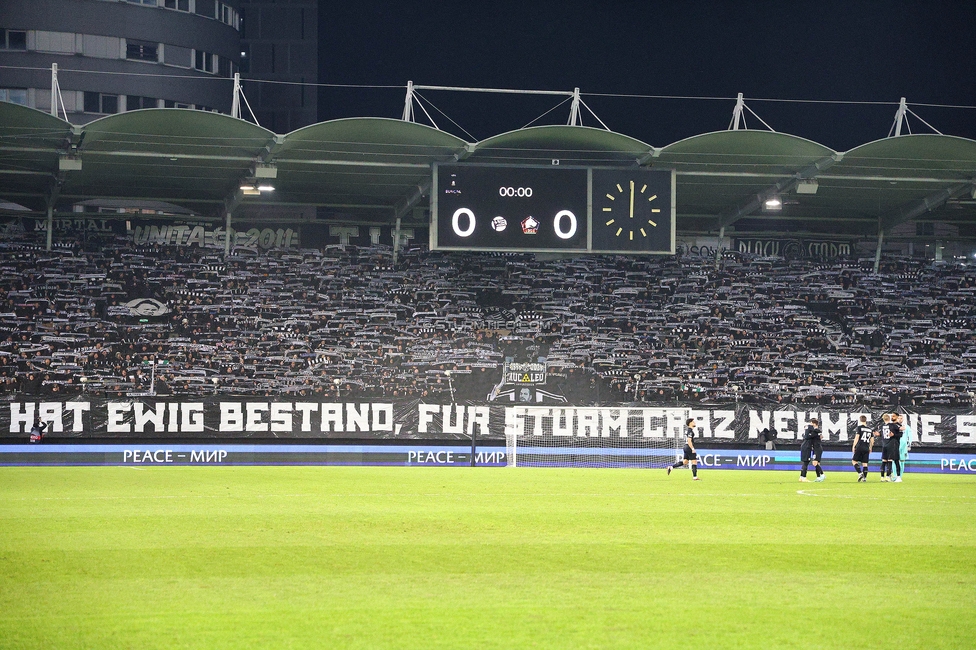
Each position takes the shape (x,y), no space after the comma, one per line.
(889,452)
(689,454)
(861,454)
(808,451)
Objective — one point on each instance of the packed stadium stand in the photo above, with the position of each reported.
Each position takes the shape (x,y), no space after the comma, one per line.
(345,322)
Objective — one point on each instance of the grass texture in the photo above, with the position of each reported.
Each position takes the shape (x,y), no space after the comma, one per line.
(358,557)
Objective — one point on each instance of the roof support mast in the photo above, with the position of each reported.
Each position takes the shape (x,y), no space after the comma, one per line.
(235,107)
(574,115)
(739,116)
(408,104)
(877,252)
(900,119)
(56,99)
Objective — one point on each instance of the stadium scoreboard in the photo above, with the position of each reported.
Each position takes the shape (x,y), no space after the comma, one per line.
(552,209)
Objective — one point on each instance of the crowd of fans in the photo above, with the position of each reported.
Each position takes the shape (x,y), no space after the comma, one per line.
(346,323)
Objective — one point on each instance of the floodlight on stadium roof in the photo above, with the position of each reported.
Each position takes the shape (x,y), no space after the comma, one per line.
(380,168)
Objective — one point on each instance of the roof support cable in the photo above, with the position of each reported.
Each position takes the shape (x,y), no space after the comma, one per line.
(756,115)
(546,113)
(923,121)
(421,105)
(448,117)
(602,123)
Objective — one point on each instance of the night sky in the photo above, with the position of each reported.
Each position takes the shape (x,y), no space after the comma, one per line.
(840,51)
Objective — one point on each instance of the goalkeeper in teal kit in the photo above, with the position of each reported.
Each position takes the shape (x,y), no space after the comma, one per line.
(904,445)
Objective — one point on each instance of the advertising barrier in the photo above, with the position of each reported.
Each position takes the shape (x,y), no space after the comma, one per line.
(421,455)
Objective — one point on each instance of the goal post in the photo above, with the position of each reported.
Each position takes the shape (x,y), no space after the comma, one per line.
(594,437)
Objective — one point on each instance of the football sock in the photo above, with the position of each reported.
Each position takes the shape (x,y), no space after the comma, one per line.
(677,465)
(897,467)
(803,471)
(694,470)
(864,470)
(857,467)
(819,470)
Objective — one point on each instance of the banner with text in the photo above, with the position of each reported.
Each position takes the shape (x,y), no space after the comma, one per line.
(267,418)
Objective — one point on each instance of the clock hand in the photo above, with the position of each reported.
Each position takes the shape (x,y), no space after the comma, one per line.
(631,199)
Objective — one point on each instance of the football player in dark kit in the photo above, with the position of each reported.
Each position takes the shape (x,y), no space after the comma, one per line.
(863,441)
(890,452)
(812,448)
(691,456)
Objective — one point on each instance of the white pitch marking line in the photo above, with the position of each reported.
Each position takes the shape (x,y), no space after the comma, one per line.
(918,497)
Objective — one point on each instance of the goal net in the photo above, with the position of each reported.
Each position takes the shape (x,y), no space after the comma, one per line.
(593,437)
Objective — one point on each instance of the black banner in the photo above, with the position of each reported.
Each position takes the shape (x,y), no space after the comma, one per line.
(794,248)
(270,418)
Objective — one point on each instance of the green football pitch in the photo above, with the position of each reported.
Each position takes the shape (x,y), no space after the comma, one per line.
(300,557)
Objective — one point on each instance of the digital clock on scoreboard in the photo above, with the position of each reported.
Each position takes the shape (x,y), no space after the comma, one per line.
(509,208)
(552,209)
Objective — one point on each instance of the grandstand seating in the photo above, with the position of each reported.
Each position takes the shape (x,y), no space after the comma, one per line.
(345,323)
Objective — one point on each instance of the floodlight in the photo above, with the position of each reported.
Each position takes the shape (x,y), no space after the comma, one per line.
(773,204)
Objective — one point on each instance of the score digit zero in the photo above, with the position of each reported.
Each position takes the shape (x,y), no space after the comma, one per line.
(556,224)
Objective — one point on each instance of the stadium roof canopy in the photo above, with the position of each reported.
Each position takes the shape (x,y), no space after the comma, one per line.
(377,169)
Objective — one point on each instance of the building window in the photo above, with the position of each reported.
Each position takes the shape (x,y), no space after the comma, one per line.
(207,8)
(228,16)
(151,3)
(141,51)
(14,95)
(12,39)
(101,103)
(169,103)
(135,102)
(203,61)
(223,67)
(179,5)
